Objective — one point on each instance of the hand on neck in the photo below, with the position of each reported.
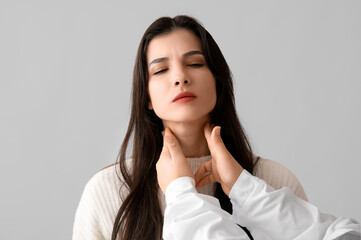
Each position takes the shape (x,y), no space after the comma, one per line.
(190,136)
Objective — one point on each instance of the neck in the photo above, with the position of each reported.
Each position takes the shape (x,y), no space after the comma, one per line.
(190,136)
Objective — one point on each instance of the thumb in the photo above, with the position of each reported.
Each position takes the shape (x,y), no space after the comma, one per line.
(173,146)
(217,142)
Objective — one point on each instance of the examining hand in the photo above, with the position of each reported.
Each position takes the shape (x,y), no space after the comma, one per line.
(172,163)
(222,168)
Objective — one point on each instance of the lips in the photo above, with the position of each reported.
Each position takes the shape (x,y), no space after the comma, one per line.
(184,97)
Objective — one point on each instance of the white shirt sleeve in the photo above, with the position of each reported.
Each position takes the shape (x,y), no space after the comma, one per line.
(191,215)
(279,214)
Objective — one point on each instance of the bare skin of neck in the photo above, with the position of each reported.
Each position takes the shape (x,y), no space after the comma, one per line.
(190,136)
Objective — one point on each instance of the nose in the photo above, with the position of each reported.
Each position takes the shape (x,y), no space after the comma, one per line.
(185,82)
(180,77)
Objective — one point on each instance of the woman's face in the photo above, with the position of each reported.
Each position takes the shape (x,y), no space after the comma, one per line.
(181,86)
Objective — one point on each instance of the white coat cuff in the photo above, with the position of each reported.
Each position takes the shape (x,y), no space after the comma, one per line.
(243,187)
(179,187)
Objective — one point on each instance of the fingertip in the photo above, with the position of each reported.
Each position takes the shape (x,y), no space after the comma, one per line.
(216,134)
(168,131)
(168,136)
(218,130)
(164,134)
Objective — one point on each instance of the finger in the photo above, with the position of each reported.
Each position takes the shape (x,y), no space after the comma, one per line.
(164,154)
(216,139)
(173,146)
(203,169)
(207,179)
(165,150)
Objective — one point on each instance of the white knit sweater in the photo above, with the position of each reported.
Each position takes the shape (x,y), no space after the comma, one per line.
(100,200)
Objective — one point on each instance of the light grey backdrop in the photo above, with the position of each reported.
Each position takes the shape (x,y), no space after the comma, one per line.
(65,71)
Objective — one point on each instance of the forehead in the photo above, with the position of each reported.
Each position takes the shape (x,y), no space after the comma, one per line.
(178,41)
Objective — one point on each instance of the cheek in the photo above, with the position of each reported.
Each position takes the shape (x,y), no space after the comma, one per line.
(153,89)
(156,94)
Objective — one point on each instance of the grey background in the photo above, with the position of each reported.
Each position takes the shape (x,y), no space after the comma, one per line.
(65,78)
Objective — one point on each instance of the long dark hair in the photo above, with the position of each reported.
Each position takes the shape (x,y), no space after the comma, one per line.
(140,215)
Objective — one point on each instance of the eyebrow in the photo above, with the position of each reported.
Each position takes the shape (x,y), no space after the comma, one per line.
(187,54)
(192,53)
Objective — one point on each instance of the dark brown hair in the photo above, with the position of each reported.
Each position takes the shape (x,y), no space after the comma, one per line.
(140,215)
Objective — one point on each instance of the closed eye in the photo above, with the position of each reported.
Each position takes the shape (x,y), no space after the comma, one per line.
(196,65)
(160,71)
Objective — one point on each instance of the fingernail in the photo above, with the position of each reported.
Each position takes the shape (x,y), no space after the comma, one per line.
(218,131)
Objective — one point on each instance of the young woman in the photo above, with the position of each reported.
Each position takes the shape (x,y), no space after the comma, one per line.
(182,89)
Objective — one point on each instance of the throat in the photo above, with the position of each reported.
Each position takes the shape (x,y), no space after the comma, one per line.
(194,149)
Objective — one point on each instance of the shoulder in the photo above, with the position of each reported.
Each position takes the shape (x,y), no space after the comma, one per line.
(99,204)
(106,182)
(105,178)
(278,176)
